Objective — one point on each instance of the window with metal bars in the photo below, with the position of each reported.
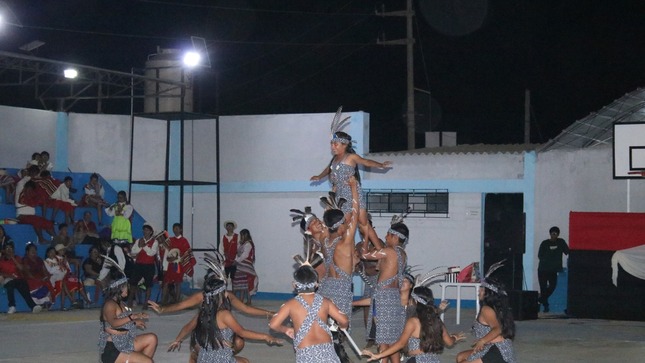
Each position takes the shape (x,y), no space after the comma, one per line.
(426,203)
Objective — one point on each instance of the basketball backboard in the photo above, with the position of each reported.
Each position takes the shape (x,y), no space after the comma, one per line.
(629,150)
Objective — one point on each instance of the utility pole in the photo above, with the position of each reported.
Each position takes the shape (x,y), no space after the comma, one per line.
(408,13)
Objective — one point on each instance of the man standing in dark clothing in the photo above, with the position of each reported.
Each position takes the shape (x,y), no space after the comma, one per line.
(550,255)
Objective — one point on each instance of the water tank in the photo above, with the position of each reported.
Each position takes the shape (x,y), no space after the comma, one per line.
(167,64)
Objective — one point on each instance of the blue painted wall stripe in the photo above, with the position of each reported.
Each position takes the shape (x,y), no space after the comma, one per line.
(62,142)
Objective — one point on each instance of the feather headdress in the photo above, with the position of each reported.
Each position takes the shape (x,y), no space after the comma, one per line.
(396,219)
(337,125)
(400,218)
(306,216)
(306,261)
(331,202)
(213,263)
(491,286)
(426,280)
(110,263)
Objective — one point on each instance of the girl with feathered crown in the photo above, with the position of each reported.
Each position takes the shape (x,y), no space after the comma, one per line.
(343,165)
(215,325)
(309,312)
(424,333)
(118,339)
(494,327)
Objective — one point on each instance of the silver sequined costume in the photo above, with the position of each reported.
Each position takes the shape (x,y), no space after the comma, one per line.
(123,342)
(337,289)
(389,315)
(413,344)
(505,347)
(319,353)
(339,178)
(220,355)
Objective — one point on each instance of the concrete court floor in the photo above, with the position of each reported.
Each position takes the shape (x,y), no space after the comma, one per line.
(71,337)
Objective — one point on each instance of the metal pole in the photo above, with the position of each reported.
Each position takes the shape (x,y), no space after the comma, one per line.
(410,80)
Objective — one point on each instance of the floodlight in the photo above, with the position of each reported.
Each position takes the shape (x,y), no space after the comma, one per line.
(7,16)
(191,59)
(70,73)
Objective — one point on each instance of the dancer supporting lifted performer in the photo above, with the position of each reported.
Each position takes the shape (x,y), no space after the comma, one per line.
(390,314)
(309,311)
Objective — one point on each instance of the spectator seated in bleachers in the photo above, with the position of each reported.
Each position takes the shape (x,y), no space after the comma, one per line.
(29,175)
(94,194)
(26,204)
(91,270)
(37,276)
(61,200)
(44,163)
(8,184)
(63,238)
(85,231)
(62,278)
(46,185)
(11,277)
(4,239)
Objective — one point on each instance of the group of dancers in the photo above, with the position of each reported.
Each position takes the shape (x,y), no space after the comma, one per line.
(318,318)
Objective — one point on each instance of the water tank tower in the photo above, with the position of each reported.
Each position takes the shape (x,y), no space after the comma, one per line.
(167,64)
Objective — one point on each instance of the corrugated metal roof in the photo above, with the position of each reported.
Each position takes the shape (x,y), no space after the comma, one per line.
(597,128)
(466,149)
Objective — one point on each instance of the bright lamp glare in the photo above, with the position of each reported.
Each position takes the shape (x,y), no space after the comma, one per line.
(192,59)
(70,73)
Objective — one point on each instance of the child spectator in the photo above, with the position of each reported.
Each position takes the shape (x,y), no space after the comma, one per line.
(94,194)
(44,163)
(26,204)
(121,211)
(37,276)
(60,200)
(91,270)
(85,231)
(61,277)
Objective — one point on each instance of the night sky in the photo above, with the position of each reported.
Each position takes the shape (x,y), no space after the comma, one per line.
(475,57)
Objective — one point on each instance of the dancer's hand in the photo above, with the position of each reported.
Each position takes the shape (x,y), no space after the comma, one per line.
(385,165)
(290,333)
(154,306)
(274,341)
(478,346)
(370,355)
(444,305)
(140,324)
(176,345)
(315,178)
(461,336)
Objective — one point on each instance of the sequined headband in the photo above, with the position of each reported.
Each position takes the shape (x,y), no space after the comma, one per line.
(211,294)
(418,298)
(119,282)
(308,286)
(308,219)
(342,140)
(398,234)
(337,224)
(491,287)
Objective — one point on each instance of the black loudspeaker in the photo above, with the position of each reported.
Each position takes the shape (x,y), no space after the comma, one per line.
(524,304)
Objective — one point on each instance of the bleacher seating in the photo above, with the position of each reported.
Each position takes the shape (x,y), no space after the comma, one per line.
(24,233)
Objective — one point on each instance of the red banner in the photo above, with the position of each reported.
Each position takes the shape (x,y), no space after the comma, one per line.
(606,231)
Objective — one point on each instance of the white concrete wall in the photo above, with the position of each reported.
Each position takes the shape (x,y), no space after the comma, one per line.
(23,132)
(579,181)
(266,163)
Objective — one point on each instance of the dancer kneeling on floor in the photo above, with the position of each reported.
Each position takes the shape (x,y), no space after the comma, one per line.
(118,341)
(213,334)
